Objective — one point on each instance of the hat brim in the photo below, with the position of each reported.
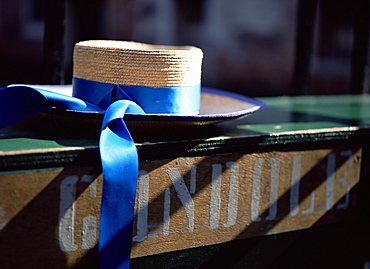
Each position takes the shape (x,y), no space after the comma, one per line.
(216,106)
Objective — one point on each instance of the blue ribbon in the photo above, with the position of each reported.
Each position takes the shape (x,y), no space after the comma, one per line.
(119,161)
(20,102)
(120,172)
(165,100)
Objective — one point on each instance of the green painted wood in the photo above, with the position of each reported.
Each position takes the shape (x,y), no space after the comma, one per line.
(303,121)
(312,112)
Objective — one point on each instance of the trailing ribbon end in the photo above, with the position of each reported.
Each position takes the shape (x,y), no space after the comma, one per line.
(19,102)
(120,171)
(119,161)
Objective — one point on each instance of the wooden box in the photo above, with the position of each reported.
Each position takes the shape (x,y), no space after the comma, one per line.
(254,191)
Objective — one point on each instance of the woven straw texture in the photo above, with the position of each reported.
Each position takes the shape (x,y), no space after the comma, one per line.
(137,64)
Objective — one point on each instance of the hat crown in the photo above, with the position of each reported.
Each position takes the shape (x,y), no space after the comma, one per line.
(137,64)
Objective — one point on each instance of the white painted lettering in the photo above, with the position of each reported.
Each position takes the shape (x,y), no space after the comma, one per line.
(2,215)
(330,176)
(294,186)
(256,190)
(142,205)
(183,194)
(343,179)
(193,179)
(215,203)
(67,213)
(91,180)
(88,232)
(167,212)
(274,188)
(232,206)
(311,207)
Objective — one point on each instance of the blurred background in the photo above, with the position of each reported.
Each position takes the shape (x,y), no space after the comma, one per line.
(249,45)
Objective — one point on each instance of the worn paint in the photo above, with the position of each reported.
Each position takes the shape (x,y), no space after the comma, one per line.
(67,213)
(189,202)
(250,186)
(232,206)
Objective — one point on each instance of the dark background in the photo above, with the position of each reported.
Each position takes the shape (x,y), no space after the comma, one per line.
(249,45)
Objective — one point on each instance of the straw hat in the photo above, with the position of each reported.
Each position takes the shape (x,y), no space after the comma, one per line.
(143,65)
(160,79)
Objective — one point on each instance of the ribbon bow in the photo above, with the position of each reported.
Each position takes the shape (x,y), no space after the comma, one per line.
(119,161)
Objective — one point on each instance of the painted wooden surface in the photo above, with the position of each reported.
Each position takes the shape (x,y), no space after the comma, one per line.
(284,115)
(295,165)
(206,200)
(181,203)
